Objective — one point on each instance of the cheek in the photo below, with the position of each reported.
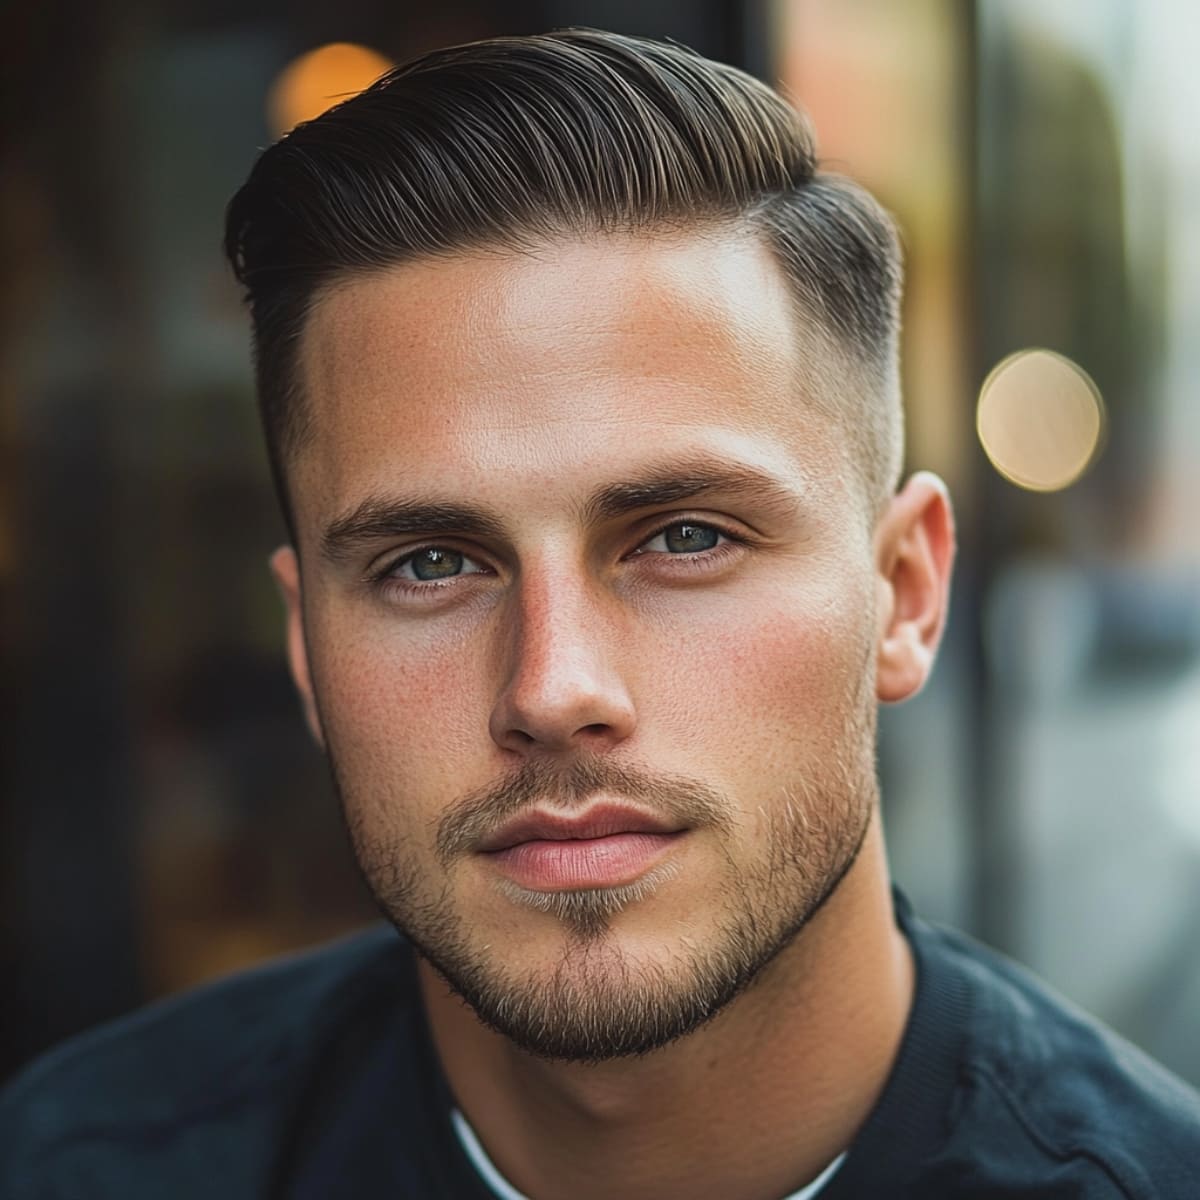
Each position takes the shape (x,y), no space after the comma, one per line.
(401,713)
(771,682)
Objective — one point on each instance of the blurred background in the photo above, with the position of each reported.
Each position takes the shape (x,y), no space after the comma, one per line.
(165,818)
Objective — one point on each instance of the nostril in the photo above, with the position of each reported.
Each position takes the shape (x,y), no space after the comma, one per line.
(560,709)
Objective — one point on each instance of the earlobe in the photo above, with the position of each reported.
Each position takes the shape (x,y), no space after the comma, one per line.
(914,547)
(285,566)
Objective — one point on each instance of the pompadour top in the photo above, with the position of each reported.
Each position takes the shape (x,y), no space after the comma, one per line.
(512,141)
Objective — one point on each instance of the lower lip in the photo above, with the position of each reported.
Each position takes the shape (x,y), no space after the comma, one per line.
(549,866)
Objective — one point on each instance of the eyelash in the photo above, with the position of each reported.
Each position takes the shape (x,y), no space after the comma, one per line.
(389,584)
(701,559)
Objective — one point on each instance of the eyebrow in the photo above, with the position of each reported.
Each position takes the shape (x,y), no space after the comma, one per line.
(379,517)
(686,479)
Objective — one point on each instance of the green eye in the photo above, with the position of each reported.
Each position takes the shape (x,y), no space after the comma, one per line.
(434,563)
(685,538)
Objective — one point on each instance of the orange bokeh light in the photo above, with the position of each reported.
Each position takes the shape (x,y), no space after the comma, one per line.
(319,79)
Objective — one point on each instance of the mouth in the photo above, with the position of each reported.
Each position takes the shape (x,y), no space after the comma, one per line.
(606,846)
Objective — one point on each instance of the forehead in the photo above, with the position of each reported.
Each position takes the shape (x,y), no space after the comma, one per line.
(551,367)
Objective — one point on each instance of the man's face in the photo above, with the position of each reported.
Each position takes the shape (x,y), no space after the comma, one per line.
(588,610)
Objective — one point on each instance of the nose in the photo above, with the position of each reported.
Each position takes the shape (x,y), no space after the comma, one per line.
(563,689)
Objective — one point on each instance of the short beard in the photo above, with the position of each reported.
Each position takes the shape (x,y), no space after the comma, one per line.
(588,912)
(599,1004)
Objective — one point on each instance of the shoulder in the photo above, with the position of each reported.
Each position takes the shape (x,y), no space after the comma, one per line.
(1071,1090)
(227,1054)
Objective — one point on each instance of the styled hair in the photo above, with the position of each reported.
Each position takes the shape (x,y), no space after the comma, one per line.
(512,141)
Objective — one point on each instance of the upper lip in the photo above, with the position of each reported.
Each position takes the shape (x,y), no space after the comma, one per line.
(602,821)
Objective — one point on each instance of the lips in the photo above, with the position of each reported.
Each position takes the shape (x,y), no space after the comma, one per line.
(601,822)
(607,846)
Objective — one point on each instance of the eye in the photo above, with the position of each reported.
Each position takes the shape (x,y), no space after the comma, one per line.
(684,537)
(434,563)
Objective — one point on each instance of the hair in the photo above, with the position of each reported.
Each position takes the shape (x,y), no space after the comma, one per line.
(513,141)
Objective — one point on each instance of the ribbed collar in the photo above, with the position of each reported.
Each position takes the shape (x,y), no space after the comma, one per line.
(911,1120)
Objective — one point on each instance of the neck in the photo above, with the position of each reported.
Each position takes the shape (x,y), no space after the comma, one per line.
(756,1103)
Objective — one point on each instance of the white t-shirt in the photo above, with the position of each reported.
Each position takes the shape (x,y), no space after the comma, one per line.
(505,1190)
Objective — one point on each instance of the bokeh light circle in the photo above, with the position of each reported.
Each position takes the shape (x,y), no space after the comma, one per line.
(319,79)
(1040,419)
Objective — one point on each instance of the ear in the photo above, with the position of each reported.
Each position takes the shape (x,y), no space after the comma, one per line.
(285,566)
(914,552)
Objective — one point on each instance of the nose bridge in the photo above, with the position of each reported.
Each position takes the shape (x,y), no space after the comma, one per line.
(558,624)
(562,683)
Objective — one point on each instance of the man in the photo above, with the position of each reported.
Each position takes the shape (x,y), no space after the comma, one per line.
(580,386)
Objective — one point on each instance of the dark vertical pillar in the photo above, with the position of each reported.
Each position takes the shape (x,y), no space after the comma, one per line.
(69,936)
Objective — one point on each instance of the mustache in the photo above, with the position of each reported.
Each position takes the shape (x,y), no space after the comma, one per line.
(478,814)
